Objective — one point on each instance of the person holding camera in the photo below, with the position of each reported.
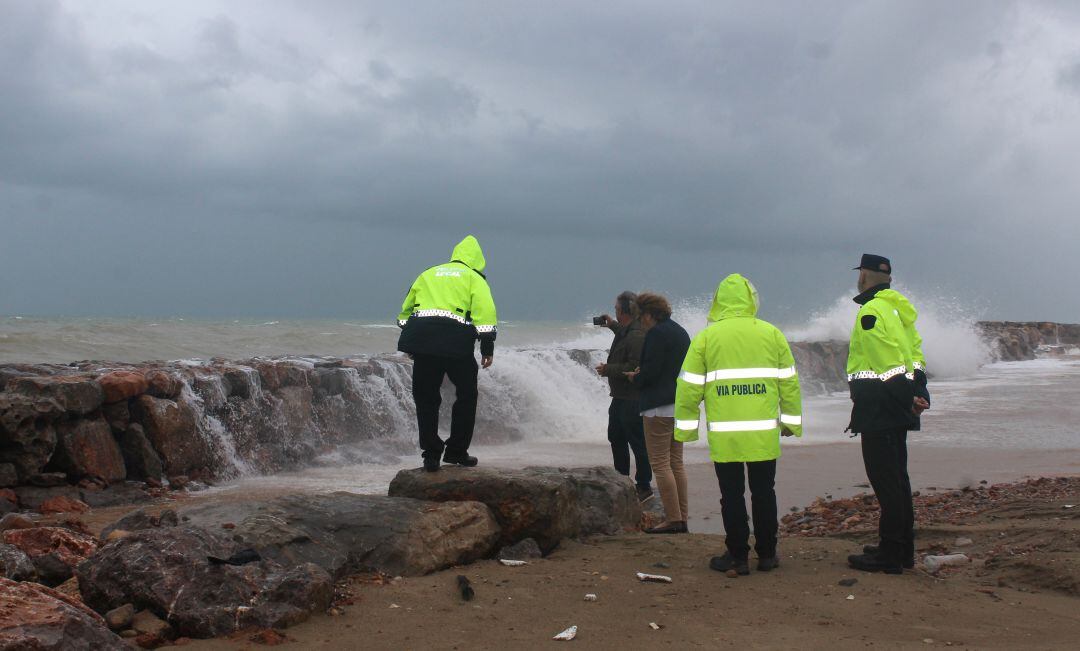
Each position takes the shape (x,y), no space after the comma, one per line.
(666,343)
(625,431)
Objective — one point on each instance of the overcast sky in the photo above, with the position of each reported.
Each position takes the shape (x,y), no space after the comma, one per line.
(308,159)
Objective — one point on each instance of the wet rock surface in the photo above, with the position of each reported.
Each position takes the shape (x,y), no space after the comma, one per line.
(167,571)
(54,551)
(34,617)
(542,505)
(607,500)
(344,532)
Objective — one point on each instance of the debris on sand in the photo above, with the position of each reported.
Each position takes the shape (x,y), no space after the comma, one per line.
(860,513)
(567,635)
(509,563)
(465,587)
(653,578)
(935,563)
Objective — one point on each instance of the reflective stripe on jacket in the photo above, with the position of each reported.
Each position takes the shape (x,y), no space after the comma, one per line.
(743,369)
(449,307)
(881,361)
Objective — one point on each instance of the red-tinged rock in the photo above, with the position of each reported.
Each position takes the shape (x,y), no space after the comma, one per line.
(123,385)
(62,504)
(35,617)
(86,448)
(9,496)
(164,384)
(69,547)
(172,430)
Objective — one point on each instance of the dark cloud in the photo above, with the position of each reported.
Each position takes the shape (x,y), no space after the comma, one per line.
(309,159)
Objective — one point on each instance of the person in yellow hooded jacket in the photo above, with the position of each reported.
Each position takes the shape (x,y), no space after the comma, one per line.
(742,368)
(448,308)
(887,378)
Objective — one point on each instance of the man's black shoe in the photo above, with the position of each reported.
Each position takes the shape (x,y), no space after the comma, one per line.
(726,562)
(872,550)
(460,459)
(874,563)
(431,464)
(644,493)
(767,564)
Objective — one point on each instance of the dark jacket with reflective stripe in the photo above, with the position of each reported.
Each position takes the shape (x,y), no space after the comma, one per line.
(662,358)
(449,307)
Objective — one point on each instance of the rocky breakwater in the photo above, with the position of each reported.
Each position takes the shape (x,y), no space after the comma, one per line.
(101,433)
(1022,340)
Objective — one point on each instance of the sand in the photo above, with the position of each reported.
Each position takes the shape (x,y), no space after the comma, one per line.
(1022,591)
(1026,597)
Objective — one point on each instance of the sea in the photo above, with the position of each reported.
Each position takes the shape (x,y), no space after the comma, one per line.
(558,406)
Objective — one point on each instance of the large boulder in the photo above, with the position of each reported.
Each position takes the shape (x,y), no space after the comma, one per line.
(15,564)
(344,532)
(36,618)
(122,385)
(172,429)
(140,458)
(9,476)
(75,394)
(526,504)
(168,571)
(86,448)
(27,437)
(607,500)
(54,551)
(164,384)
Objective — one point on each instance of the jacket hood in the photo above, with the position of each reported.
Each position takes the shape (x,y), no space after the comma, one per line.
(469,253)
(901,304)
(735,296)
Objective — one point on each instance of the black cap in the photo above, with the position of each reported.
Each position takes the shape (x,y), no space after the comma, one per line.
(875,263)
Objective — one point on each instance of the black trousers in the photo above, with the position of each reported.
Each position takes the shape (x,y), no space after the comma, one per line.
(626,432)
(428,373)
(762,475)
(885,457)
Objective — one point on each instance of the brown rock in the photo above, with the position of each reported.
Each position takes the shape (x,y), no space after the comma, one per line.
(140,458)
(16,521)
(86,448)
(164,384)
(120,618)
(62,504)
(52,543)
(526,503)
(75,394)
(27,438)
(122,385)
(35,617)
(117,415)
(145,622)
(9,476)
(171,428)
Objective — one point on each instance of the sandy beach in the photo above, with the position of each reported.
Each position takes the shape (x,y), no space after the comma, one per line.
(1020,591)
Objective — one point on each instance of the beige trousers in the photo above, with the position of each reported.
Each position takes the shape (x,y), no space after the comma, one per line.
(665,457)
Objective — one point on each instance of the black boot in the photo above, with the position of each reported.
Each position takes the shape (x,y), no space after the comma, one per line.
(726,562)
(767,564)
(908,561)
(875,563)
(431,464)
(461,459)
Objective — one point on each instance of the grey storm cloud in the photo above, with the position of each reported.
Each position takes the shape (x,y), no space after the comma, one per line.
(307,159)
